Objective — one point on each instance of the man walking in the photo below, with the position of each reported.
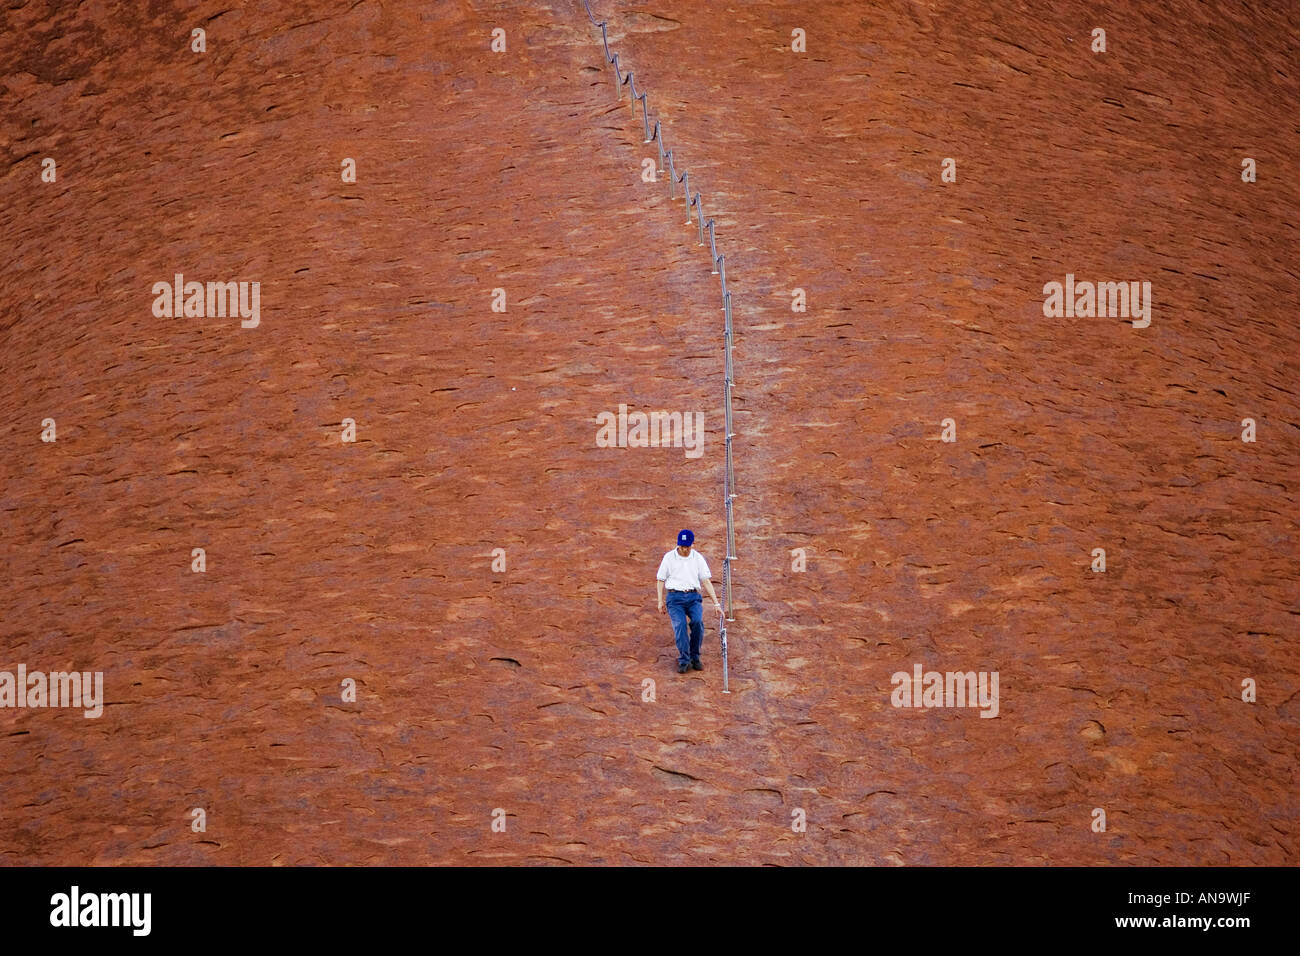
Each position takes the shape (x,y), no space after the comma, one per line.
(682,572)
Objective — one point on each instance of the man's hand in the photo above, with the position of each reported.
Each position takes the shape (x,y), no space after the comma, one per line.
(717,605)
(662,609)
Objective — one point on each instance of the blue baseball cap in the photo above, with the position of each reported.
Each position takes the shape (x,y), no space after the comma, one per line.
(685,538)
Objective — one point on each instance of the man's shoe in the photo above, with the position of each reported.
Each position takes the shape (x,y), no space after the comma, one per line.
(681,668)
(696,665)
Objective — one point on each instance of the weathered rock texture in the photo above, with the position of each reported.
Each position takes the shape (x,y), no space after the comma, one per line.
(523,689)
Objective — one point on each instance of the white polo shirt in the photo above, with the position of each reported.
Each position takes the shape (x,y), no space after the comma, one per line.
(683,574)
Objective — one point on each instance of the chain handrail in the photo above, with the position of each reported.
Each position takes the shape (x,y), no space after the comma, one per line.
(719,264)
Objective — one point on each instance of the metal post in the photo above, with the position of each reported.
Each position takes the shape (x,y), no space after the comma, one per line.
(731,528)
(731,478)
(728,603)
(722,632)
(731,475)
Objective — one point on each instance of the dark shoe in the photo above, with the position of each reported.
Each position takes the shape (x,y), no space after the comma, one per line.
(696,665)
(681,668)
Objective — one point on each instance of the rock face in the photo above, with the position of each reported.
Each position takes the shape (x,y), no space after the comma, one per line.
(512,685)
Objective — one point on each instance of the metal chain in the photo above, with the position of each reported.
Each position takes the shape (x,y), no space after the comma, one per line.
(656,135)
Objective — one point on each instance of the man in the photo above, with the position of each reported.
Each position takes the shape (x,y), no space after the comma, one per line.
(682,572)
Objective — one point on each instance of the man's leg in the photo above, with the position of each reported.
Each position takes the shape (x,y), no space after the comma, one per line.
(677,614)
(696,608)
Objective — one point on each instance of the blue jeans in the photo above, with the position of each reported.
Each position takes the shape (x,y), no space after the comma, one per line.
(683,606)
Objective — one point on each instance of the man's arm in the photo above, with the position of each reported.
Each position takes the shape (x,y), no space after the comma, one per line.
(661,577)
(708,586)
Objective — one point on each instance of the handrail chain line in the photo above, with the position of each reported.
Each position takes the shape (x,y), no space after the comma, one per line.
(719,266)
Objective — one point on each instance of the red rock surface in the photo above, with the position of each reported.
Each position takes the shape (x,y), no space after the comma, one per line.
(522,690)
